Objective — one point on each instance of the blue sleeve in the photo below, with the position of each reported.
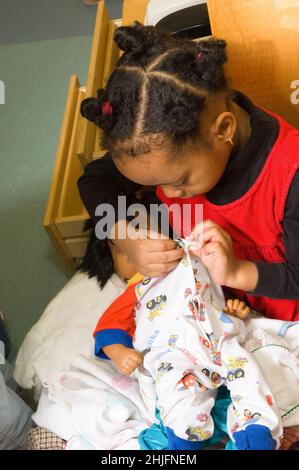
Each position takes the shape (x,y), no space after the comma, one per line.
(112,336)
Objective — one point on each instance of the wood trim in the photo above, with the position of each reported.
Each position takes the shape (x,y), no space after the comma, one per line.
(133,10)
(77,246)
(94,79)
(71,226)
(70,201)
(62,152)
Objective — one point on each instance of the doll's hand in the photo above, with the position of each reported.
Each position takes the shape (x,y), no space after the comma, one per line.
(125,359)
(216,252)
(237,308)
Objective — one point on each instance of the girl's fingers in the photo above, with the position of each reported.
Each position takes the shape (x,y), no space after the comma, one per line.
(200,228)
(153,244)
(215,234)
(230,304)
(211,248)
(195,251)
(164,257)
(241,305)
(208,230)
(236,304)
(160,268)
(246,312)
(153,235)
(170,255)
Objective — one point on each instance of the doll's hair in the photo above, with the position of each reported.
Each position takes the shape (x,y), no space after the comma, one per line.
(97,261)
(157,92)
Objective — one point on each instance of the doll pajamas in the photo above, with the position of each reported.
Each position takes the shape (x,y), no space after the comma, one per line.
(191,347)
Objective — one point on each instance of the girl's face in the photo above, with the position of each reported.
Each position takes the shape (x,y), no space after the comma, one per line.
(192,172)
(196,169)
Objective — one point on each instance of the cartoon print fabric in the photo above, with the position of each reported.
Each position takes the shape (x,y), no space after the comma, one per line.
(192,347)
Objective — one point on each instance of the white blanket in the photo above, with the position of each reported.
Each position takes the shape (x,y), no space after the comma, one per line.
(275,346)
(95,407)
(64,330)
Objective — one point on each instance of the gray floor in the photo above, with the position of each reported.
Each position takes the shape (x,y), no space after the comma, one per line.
(37,20)
(42,45)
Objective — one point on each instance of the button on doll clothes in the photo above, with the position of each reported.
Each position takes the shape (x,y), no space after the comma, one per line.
(191,347)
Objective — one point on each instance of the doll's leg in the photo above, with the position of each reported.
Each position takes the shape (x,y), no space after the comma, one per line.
(253,418)
(184,407)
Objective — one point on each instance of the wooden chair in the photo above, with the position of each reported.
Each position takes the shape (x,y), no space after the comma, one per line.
(58,178)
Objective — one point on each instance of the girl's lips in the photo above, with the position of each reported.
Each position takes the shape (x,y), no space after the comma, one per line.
(186,197)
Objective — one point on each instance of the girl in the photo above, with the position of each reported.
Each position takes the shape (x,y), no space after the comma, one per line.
(171,121)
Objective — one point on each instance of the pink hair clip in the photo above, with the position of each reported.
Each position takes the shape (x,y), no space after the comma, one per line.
(199,56)
(106,108)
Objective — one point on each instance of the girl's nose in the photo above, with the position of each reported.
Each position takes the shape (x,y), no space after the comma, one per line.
(171,191)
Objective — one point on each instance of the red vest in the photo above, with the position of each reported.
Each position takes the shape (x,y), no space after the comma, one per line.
(254,221)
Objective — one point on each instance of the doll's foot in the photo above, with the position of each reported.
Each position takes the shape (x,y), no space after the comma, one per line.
(254,437)
(177,443)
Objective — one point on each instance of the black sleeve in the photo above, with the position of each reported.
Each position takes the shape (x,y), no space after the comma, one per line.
(101,183)
(281,280)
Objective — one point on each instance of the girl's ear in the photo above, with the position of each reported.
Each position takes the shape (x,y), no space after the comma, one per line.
(225,126)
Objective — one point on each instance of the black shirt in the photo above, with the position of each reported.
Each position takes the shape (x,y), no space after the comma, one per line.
(103,183)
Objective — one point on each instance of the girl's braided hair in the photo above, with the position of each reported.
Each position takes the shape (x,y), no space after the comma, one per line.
(157,92)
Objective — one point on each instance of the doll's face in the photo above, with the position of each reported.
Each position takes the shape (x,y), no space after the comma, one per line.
(123,267)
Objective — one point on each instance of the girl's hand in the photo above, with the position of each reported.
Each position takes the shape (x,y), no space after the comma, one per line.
(125,359)
(153,255)
(216,252)
(237,308)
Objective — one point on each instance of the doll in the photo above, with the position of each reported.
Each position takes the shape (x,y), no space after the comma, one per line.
(175,330)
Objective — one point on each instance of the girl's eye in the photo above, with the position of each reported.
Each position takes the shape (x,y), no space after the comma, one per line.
(181,183)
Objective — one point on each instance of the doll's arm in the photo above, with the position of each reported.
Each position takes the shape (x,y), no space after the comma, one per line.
(125,359)
(116,325)
(237,308)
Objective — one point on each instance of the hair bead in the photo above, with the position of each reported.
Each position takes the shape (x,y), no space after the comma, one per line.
(106,108)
